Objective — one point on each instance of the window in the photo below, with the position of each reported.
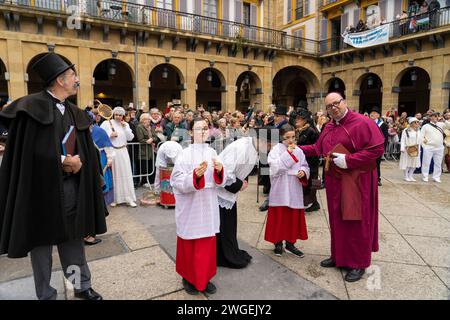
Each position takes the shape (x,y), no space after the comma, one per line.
(298,9)
(164,4)
(210,8)
(247,13)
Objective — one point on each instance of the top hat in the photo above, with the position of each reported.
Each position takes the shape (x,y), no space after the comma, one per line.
(281,110)
(302,104)
(50,66)
(375,109)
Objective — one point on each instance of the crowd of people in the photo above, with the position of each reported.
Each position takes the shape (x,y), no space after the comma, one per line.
(415,17)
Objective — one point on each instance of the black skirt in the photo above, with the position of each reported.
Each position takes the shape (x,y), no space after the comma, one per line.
(228,253)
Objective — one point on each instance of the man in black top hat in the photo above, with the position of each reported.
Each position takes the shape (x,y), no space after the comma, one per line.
(51,198)
(375,115)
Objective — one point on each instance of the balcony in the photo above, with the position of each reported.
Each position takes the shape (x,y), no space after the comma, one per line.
(142,17)
(326,5)
(399,31)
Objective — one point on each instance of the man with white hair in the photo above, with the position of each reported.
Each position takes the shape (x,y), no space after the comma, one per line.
(433,146)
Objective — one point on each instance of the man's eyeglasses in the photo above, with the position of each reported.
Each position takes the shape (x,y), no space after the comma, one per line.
(334,104)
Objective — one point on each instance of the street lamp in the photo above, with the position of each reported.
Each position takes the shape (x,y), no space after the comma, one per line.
(370,81)
(247,79)
(209,76)
(165,73)
(112,68)
(413,75)
(336,84)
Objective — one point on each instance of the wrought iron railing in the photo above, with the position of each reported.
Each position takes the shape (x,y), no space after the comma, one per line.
(397,28)
(131,12)
(324,3)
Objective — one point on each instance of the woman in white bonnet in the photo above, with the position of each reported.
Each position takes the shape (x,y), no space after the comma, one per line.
(119,132)
(410,137)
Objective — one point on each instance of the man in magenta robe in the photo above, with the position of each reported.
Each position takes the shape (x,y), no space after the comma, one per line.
(354,233)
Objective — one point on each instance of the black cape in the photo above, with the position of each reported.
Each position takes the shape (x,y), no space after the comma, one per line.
(31,179)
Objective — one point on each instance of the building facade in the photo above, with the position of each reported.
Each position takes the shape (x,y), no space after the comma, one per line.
(226,54)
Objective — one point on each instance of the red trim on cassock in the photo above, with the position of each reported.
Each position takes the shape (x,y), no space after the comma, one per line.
(199,183)
(284,223)
(218,179)
(304,180)
(196,260)
(293,157)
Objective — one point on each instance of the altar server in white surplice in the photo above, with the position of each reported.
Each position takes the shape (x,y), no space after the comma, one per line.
(195,178)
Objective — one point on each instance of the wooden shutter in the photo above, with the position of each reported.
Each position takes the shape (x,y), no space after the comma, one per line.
(289,11)
(355,17)
(238,11)
(323,35)
(383,9)
(198,7)
(344,21)
(306,8)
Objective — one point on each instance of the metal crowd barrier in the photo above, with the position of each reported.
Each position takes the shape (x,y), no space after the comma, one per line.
(140,166)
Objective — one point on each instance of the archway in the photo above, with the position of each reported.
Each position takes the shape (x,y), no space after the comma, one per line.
(4,96)
(248,91)
(371,94)
(113,83)
(166,83)
(35,83)
(414,93)
(210,86)
(292,85)
(336,85)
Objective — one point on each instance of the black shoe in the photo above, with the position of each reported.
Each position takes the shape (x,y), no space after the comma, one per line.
(379,183)
(189,287)
(265,205)
(88,294)
(354,275)
(278,249)
(328,263)
(210,288)
(314,207)
(91,243)
(292,249)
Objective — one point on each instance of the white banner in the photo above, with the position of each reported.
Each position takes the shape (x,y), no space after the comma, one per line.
(368,38)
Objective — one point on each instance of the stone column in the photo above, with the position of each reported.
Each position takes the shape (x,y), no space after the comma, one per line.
(189,94)
(85,74)
(16,69)
(437,78)
(143,81)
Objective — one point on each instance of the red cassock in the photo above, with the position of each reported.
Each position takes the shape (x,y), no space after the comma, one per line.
(196,258)
(285,223)
(352,241)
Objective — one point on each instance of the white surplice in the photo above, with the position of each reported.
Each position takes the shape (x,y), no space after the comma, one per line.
(196,211)
(239,158)
(286,189)
(121,166)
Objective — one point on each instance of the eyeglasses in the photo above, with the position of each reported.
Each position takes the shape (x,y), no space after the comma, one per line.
(334,104)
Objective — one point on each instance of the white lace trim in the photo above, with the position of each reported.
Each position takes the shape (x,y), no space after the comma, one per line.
(225,203)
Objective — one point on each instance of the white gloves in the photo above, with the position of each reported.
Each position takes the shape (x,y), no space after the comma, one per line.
(340,160)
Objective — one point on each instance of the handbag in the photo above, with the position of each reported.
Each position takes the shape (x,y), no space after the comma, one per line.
(413,151)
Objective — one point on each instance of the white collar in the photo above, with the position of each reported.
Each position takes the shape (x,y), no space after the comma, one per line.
(337,120)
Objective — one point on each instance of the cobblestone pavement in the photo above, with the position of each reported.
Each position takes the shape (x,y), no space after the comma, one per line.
(136,258)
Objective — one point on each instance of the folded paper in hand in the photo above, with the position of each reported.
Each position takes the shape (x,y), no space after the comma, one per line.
(69,142)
